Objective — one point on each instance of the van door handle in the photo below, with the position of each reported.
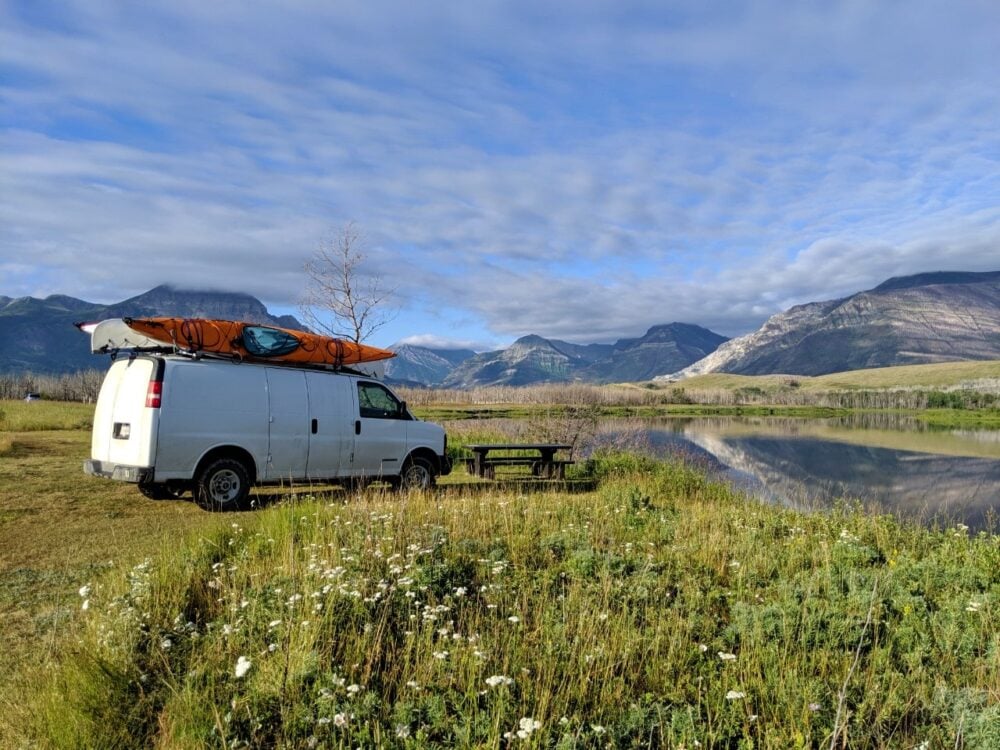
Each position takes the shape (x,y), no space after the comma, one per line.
(357,426)
(315,426)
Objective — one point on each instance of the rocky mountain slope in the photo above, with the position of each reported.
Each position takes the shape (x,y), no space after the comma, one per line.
(933,317)
(533,359)
(37,335)
(421,365)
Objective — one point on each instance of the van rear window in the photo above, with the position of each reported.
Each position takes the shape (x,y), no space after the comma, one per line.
(268,342)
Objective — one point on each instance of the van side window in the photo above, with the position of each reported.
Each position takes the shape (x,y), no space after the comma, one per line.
(376,402)
(268,342)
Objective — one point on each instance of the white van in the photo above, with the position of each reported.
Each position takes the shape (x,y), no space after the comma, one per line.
(173,423)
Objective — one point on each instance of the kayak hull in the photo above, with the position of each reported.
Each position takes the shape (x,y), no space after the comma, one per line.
(230,338)
(250,341)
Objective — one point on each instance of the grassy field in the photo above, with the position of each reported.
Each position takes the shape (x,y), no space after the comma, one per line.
(658,609)
(944,375)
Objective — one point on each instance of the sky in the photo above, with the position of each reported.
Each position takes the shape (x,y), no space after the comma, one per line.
(579,170)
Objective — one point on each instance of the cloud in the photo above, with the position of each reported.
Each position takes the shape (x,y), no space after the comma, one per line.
(578,170)
(432,341)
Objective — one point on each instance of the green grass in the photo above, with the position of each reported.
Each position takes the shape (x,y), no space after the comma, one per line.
(35,416)
(659,610)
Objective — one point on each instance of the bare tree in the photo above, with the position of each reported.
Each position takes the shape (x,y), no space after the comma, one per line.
(342,299)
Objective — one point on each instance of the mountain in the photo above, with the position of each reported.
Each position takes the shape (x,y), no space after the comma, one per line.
(663,348)
(37,335)
(925,318)
(421,365)
(533,359)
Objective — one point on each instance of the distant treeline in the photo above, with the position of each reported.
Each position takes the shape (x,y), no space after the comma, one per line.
(79,386)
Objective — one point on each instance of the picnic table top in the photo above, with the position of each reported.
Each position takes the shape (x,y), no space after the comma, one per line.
(486,447)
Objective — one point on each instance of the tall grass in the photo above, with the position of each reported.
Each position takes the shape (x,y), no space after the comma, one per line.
(661,610)
(983,396)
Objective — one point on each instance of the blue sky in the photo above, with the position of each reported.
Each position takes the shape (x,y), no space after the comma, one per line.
(581,170)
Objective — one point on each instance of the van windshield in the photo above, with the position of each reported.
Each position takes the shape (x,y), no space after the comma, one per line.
(268,342)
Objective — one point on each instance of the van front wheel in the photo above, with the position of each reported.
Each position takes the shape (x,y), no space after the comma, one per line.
(223,484)
(417,474)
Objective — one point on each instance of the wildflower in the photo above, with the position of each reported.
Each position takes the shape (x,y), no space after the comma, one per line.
(353,689)
(340,720)
(702,647)
(499,679)
(973,606)
(84,591)
(528,725)
(323,721)
(242,666)
(441,655)
(814,707)
(402,731)
(85,605)
(413,685)
(514,619)
(735,695)
(597,729)
(727,657)
(166,644)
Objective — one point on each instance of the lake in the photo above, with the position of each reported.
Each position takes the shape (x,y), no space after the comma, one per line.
(888,463)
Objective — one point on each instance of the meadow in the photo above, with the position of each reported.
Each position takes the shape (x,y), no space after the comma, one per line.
(656,608)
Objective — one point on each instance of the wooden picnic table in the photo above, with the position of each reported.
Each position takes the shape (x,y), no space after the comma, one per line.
(541,457)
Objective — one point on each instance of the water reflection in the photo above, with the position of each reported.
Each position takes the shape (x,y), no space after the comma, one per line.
(949,476)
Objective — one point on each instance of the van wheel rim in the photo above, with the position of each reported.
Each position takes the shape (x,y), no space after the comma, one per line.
(225,486)
(417,477)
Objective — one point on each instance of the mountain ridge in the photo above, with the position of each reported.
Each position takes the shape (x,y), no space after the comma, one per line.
(924,318)
(37,335)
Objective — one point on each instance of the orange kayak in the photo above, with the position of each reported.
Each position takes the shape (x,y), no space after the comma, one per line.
(250,341)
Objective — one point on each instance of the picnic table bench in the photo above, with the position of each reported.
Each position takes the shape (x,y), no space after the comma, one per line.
(541,457)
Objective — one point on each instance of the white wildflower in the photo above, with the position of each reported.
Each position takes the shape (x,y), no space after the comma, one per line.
(242,667)
(735,695)
(353,689)
(527,726)
(166,644)
(499,679)
(727,657)
(514,619)
(340,719)
(84,591)
(597,729)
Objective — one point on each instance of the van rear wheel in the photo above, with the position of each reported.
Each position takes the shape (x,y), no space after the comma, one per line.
(222,485)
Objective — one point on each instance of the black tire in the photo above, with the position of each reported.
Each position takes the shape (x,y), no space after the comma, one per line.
(417,474)
(162,491)
(222,485)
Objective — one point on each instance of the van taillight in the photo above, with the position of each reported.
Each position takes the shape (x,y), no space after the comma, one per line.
(154,394)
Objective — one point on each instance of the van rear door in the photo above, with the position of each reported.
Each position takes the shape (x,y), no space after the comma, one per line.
(127,413)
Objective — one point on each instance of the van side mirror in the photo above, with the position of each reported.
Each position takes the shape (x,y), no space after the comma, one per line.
(402,413)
